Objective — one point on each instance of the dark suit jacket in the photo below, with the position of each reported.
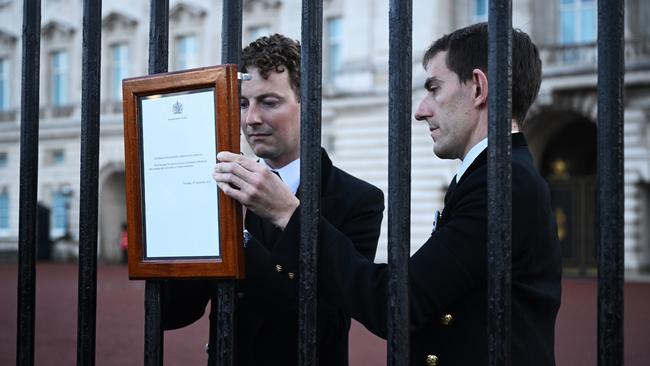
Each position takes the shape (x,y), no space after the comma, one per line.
(267,322)
(447,275)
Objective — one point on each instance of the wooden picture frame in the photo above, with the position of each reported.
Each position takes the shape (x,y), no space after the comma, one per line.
(174,125)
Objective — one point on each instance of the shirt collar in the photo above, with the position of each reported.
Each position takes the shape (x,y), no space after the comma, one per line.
(472,154)
(290,174)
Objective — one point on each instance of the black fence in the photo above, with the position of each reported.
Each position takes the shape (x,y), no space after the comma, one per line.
(610,181)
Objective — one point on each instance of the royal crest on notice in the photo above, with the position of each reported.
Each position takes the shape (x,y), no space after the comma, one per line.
(177,108)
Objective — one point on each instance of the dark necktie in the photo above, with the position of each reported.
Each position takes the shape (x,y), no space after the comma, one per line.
(450,190)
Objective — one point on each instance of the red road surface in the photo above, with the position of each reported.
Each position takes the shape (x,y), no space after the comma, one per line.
(120,324)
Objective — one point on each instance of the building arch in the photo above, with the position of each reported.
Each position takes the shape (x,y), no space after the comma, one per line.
(563,143)
(112,210)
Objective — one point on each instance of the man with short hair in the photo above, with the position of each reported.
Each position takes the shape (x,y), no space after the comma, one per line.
(448,274)
(267,317)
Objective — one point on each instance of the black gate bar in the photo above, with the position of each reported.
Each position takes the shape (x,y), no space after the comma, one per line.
(611,68)
(310,176)
(499,181)
(88,199)
(158,53)
(224,303)
(28,182)
(400,68)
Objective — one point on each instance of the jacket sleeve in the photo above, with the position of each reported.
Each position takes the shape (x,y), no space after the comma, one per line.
(360,227)
(445,268)
(183,301)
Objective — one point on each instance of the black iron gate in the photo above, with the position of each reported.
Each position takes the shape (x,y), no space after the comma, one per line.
(610,180)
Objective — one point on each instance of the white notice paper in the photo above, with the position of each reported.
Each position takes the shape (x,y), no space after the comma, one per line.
(181,211)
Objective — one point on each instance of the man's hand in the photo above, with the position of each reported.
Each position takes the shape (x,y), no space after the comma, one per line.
(255,187)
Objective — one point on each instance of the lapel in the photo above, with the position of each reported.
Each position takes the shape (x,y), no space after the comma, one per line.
(518,140)
(326,177)
(254,224)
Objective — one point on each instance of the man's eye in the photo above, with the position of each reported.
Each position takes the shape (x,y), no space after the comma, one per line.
(270,103)
(243,103)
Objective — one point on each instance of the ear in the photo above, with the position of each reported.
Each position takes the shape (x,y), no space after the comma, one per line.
(480,82)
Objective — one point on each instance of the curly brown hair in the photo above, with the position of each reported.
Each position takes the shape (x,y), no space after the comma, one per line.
(274,53)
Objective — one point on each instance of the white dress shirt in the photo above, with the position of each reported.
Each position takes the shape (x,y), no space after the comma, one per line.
(290,174)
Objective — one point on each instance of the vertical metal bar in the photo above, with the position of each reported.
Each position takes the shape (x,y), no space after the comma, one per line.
(610,182)
(310,176)
(224,303)
(499,180)
(231,29)
(153,333)
(28,181)
(225,332)
(399,179)
(158,59)
(87,298)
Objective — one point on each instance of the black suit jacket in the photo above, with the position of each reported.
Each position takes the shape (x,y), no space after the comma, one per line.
(447,275)
(267,320)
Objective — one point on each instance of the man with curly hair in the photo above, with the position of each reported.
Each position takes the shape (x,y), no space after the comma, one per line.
(267,316)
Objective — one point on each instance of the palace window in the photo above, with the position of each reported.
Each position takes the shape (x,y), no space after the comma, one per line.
(333,43)
(186,52)
(480,11)
(60,212)
(59,78)
(4,211)
(257,32)
(578,19)
(4,84)
(119,69)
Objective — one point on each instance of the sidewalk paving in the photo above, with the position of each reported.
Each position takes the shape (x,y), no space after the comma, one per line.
(120,323)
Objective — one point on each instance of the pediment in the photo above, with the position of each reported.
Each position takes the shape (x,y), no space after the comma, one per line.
(117,20)
(186,10)
(56,29)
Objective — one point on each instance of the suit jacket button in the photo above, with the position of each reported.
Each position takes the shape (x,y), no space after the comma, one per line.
(278,268)
(446,319)
(432,360)
(291,275)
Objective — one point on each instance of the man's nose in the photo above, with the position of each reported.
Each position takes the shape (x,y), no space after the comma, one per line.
(422,112)
(252,115)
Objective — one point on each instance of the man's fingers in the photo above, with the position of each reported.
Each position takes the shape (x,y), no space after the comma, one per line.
(231,179)
(235,169)
(231,192)
(248,164)
(227,156)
